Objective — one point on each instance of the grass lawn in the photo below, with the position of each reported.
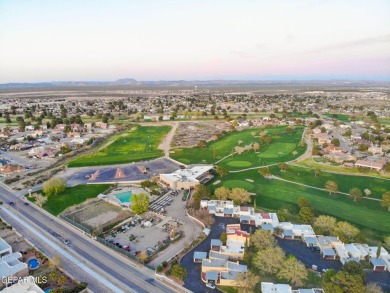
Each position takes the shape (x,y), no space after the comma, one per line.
(136,144)
(276,195)
(72,196)
(378,186)
(341,117)
(280,150)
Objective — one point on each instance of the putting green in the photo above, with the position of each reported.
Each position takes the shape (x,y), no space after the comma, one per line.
(238,183)
(278,149)
(239,163)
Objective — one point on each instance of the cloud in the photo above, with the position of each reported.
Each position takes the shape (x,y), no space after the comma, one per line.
(350,44)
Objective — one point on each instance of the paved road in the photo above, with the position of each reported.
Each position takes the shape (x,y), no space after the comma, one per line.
(116,269)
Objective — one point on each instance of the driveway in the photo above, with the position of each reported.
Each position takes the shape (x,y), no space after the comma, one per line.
(193,280)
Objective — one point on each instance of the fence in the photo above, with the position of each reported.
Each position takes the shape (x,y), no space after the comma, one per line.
(81,227)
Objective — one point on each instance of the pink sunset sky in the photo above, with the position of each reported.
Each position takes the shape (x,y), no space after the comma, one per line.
(167,40)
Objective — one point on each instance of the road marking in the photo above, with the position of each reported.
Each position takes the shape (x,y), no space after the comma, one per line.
(66,254)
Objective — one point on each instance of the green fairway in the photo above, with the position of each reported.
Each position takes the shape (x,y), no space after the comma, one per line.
(72,196)
(279,150)
(136,144)
(377,186)
(341,117)
(277,195)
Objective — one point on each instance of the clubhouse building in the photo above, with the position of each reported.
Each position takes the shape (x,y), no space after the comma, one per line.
(187,178)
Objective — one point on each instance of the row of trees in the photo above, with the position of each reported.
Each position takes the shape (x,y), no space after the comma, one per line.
(237,195)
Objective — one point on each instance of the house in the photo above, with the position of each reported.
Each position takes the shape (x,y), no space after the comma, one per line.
(328,241)
(339,157)
(25,285)
(29,128)
(375,165)
(215,244)
(9,169)
(199,256)
(375,150)
(187,178)
(328,253)
(5,248)
(386,259)
(221,272)
(285,288)
(378,264)
(343,254)
(11,266)
(275,288)
(353,251)
(373,250)
(235,243)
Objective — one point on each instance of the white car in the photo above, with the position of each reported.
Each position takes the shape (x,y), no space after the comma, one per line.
(210,285)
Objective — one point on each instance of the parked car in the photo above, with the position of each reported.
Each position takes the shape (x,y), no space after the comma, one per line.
(210,285)
(11,203)
(67,242)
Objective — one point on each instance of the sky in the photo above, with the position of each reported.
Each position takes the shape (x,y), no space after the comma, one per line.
(194,40)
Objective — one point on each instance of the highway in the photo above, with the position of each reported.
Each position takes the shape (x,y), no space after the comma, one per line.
(86,259)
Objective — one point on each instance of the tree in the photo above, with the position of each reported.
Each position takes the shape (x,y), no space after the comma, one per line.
(342,282)
(223,237)
(143,256)
(61,281)
(240,196)
(387,241)
(335,142)
(373,288)
(262,239)
(282,166)
(139,203)
(331,186)
(256,146)
(222,171)
(205,217)
(54,186)
(386,200)
(346,232)
(354,268)
(293,271)
(303,202)
(55,262)
(201,191)
(264,172)
(179,272)
(367,192)
(222,193)
(324,224)
(306,214)
(378,250)
(267,139)
(247,282)
(355,194)
(53,275)
(269,261)
(40,200)
(317,172)
(202,144)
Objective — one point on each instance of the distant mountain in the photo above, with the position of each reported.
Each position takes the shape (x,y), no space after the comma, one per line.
(178,83)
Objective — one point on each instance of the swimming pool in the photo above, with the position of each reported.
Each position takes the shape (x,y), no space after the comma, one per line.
(124,197)
(33,264)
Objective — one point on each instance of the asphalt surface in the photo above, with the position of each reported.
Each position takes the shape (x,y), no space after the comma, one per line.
(132,172)
(114,268)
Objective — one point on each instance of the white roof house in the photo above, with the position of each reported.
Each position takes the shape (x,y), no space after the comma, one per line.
(5,248)
(372,250)
(353,251)
(10,265)
(275,288)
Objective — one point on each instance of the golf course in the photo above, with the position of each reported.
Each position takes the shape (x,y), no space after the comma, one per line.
(136,144)
(277,195)
(282,147)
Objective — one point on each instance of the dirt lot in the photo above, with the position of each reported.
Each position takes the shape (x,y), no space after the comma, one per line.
(189,134)
(96,214)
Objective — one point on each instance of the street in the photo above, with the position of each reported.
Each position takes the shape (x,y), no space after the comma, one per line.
(112,270)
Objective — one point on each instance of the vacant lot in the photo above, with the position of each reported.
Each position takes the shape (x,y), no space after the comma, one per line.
(72,196)
(281,149)
(136,144)
(277,195)
(189,134)
(97,214)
